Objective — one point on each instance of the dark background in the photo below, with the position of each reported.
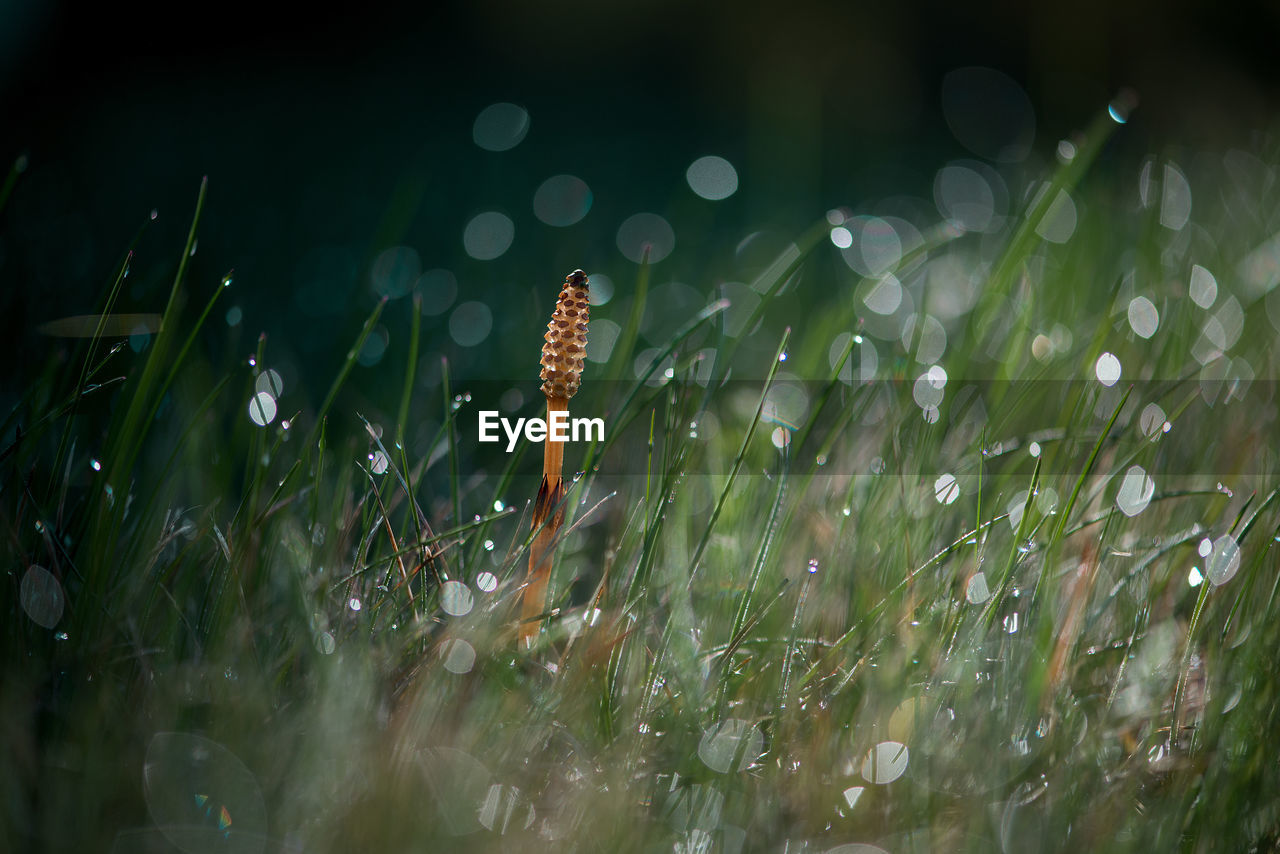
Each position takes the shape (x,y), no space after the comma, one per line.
(344,132)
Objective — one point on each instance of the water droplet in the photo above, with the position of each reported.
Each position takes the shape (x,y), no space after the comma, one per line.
(1194,578)
(1011,623)
(1225,490)
(354,603)
(846,511)
(487,582)
(62,636)
(378,462)
(95,465)
(813,564)
(488,545)
(1205,548)
(498,506)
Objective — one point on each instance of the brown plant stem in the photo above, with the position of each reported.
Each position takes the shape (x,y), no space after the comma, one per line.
(548,516)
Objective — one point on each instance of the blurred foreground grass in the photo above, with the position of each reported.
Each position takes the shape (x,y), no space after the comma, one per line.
(978,554)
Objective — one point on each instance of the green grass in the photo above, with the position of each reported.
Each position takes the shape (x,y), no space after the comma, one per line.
(266,643)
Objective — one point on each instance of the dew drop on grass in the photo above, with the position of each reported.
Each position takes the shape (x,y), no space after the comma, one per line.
(1194,578)
(1135,491)
(1107,369)
(1034,449)
(885,762)
(487,582)
(95,465)
(498,506)
(42,597)
(1205,548)
(1224,561)
(456,599)
(354,603)
(378,462)
(488,545)
(846,511)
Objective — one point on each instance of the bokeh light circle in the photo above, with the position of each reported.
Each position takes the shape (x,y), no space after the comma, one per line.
(500,127)
(470,323)
(262,409)
(646,231)
(562,200)
(439,288)
(713,178)
(488,235)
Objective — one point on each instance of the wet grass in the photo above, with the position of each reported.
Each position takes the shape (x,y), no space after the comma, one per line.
(807,593)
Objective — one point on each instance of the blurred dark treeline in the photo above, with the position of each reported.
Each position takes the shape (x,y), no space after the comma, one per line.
(329,137)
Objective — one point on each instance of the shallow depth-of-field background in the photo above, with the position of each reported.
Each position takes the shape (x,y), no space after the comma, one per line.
(937,507)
